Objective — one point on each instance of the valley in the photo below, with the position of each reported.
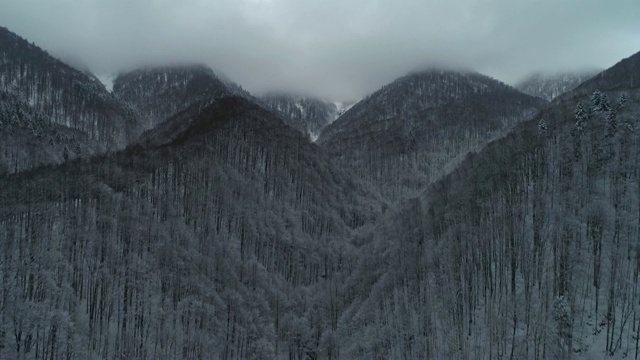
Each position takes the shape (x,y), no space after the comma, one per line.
(444,215)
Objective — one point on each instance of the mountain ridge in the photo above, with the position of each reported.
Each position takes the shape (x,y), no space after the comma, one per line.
(446,215)
(160,92)
(403,136)
(67,96)
(516,241)
(241,213)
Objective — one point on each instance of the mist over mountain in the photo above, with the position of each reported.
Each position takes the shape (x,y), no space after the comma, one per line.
(445,215)
(549,87)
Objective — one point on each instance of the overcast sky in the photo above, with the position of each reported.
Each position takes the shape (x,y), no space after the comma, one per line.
(337,49)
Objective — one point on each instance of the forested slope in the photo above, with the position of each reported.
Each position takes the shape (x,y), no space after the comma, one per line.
(28,139)
(160,92)
(527,250)
(221,232)
(410,132)
(63,94)
(229,239)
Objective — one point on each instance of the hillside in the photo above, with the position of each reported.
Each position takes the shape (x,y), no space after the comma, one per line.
(444,216)
(63,94)
(29,139)
(528,249)
(161,92)
(220,241)
(408,133)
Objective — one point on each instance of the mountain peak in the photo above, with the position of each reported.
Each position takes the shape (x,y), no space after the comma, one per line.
(160,92)
(422,121)
(416,92)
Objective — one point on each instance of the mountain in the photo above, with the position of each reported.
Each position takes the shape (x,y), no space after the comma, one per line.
(549,87)
(405,135)
(527,250)
(64,95)
(226,237)
(446,216)
(306,114)
(160,92)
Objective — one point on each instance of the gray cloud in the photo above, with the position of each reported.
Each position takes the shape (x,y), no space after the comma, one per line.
(338,49)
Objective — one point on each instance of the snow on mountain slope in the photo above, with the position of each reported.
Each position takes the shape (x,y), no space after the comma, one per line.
(551,86)
(213,240)
(343,106)
(527,250)
(406,134)
(107,80)
(66,96)
(29,138)
(306,114)
(160,92)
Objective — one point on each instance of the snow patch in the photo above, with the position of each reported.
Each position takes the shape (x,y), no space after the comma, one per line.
(107,80)
(342,107)
(301,108)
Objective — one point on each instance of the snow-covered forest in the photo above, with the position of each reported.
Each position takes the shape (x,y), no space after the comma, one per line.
(446,215)
(412,131)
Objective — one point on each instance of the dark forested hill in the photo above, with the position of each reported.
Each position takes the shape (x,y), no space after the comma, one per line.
(63,94)
(549,87)
(228,238)
(527,250)
(405,135)
(158,93)
(306,114)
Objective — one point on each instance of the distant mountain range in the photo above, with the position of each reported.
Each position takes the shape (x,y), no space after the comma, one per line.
(446,215)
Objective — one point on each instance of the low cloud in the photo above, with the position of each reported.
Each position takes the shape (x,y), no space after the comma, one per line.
(337,49)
